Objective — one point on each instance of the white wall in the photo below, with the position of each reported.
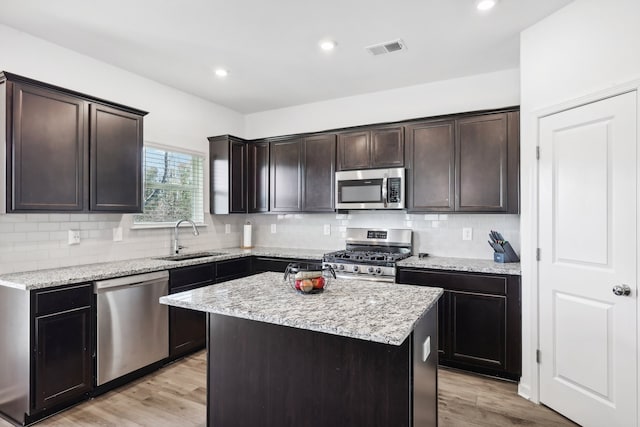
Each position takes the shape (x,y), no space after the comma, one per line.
(175,118)
(479,92)
(587,46)
(37,241)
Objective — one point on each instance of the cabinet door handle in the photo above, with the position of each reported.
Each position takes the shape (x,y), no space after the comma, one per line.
(384,190)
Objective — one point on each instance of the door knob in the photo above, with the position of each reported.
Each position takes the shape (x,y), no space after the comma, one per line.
(621,290)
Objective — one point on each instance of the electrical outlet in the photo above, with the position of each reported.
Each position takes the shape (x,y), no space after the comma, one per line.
(467,233)
(74,237)
(327,229)
(273,229)
(227,228)
(117,234)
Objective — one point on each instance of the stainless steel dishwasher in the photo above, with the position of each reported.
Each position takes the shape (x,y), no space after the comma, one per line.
(133,327)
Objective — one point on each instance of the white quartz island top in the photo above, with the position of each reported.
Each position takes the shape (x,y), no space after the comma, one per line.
(372,311)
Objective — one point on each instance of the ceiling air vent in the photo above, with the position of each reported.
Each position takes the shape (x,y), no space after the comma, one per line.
(386,47)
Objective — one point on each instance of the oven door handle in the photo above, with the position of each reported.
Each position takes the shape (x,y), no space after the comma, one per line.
(384,190)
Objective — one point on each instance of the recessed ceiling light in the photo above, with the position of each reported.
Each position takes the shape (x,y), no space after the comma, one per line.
(327,45)
(484,5)
(221,72)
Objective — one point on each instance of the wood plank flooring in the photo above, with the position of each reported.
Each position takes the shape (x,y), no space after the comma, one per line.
(176,396)
(476,401)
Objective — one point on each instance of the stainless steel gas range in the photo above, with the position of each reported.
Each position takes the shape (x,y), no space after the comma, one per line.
(371,254)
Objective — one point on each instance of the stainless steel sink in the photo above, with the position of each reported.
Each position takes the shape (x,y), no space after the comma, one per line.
(184,257)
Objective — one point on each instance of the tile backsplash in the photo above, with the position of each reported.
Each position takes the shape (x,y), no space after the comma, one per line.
(435,234)
(40,241)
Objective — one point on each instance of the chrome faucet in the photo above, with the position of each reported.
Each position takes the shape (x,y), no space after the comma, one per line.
(176,243)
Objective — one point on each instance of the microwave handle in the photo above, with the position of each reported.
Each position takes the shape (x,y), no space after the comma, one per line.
(384,190)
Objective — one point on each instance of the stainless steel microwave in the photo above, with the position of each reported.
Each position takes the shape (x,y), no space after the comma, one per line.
(370,189)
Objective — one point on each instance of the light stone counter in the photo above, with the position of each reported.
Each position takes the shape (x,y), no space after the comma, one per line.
(40,279)
(372,311)
(87,273)
(462,264)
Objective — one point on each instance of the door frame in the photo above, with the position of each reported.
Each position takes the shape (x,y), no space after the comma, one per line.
(529,228)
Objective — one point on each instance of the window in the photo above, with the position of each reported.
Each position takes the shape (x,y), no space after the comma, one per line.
(173,187)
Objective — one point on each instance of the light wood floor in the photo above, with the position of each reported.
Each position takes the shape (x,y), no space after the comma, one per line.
(176,396)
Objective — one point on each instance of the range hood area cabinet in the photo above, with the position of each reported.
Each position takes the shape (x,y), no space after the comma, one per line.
(67,152)
(465,163)
(371,147)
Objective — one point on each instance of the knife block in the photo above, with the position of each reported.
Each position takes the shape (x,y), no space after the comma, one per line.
(509,255)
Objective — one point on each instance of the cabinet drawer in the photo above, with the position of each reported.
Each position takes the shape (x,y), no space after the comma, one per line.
(455,281)
(196,275)
(57,300)
(227,270)
(279,265)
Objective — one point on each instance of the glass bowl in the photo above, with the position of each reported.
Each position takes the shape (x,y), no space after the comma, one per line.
(308,278)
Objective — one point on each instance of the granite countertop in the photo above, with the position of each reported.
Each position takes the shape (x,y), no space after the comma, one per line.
(39,279)
(462,264)
(372,311)
(87,273)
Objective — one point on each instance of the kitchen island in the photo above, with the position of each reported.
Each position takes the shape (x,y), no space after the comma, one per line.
(360,353)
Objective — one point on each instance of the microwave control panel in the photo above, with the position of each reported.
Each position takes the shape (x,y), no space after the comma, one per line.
(394,190)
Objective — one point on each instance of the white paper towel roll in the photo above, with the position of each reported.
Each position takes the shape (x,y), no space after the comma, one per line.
(246,238)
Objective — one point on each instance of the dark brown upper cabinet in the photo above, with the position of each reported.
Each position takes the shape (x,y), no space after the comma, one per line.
(228,174)
(319,166)
(430,160)
(67,151)
(116,159)
(464,163)
(487,163)
(258,170)
(286,175)
(387,147)
(370,148)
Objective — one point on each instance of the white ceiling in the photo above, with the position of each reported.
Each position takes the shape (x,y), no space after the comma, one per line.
(271,46)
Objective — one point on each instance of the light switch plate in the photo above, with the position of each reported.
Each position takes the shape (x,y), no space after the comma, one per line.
(273,229)
(74,237)
(426,349)
(327,229)
(227,228)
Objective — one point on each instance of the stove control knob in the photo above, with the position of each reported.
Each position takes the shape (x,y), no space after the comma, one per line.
(334,266)
(341,267)
(378,270)
(355,268)
(370,269)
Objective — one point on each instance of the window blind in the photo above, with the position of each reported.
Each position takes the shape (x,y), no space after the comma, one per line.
(173,187)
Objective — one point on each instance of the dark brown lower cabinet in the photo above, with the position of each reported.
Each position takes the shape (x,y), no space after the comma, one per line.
(187,328)
(187,331)
(479,319)
(62,344)
(233,269)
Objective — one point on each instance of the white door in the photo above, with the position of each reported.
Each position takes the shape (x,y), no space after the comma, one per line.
(587,238)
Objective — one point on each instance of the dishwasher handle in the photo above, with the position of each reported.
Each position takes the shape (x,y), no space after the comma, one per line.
(138,279)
